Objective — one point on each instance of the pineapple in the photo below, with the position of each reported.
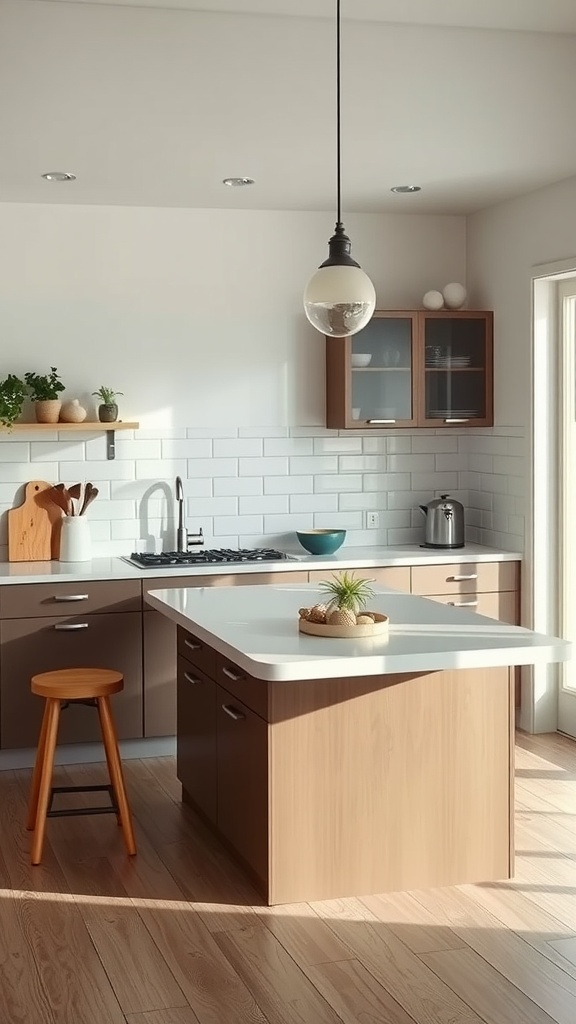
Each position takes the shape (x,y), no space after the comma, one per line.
(348,597)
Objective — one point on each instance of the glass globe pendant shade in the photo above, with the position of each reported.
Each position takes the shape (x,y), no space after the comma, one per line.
(339,300)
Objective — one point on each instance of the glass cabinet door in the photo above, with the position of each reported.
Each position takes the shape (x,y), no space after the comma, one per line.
(381,370)
(457,369)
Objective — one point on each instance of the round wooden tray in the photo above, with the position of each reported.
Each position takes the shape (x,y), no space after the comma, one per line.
(377,628)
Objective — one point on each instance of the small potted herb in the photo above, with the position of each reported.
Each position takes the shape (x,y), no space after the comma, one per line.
(12,394)
(108,409)
(44,390)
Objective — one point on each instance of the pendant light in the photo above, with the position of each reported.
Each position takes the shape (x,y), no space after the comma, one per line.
(339,298)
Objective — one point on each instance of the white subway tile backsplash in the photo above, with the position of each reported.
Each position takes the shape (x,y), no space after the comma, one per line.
(14,451)
(275,446)
(237,524)
(20,472)
(409,463)
(313,503)
(263,467)
(362,463)
(238,447)
(41,451)
(265,504)
(186,448)
(238,485)
(212,467)
(313,464)
(202,507)
(387,481)
(289,484)
(344,482)
(254,485)
(338,445)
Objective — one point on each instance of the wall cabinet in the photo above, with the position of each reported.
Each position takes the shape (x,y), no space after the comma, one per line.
(412,368)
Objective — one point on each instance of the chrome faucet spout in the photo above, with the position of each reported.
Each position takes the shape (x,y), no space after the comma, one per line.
(181,537)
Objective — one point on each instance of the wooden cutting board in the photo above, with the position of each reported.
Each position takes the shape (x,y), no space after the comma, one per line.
(34,527)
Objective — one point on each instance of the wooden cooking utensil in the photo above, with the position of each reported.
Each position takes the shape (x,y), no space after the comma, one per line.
(75,492)
(89,497)
(34,527)
(56,496)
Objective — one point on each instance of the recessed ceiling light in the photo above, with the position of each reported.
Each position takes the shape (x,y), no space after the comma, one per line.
(237,182)
(406,188)
(59,176)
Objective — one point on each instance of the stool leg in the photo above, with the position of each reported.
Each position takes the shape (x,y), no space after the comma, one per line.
(53,717)
(37,774)
(116,774)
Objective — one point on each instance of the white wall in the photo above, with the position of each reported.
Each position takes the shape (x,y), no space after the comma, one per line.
(197,317)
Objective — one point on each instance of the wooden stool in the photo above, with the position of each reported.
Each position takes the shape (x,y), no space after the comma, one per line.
(91,686)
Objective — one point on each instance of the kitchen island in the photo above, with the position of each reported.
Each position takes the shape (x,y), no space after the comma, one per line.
(340,767)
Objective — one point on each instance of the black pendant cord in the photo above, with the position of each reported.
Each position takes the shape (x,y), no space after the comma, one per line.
(339,246)
(338,123)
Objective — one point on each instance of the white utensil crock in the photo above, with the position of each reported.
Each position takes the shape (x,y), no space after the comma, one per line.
(75,543)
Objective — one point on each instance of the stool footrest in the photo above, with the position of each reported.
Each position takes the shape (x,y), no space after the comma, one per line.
(70,812)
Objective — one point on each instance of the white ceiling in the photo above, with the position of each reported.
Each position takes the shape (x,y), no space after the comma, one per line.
(524,15)
(153,104)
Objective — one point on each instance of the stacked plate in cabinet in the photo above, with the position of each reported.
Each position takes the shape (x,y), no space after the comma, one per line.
(448,362)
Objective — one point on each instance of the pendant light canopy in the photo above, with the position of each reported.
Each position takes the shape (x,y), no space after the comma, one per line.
(339,298)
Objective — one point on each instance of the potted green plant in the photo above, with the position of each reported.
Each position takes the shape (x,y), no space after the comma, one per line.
(44,390)
(347,597)
(12,394)
(108,409)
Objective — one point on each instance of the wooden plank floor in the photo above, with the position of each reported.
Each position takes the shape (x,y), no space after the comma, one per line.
(178,936)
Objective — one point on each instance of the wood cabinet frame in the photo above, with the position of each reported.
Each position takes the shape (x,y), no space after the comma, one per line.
(339,372)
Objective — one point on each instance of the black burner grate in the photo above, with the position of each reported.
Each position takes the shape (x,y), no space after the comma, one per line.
(168,558)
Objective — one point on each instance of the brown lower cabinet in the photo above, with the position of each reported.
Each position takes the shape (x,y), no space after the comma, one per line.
(42,644)
(222,763)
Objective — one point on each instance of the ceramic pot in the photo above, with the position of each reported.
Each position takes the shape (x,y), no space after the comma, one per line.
(48,411)
(72,412)
(75,543)
(108,413)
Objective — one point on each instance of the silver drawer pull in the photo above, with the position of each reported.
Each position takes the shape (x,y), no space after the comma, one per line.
(191,679)
(458,579)
(463,604)
(233,712)
(193,646)
(456,420)
(381,421)
(70,627)
(232,675)
(59,598)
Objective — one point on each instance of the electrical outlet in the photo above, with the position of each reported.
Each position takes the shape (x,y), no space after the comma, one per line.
(372,520)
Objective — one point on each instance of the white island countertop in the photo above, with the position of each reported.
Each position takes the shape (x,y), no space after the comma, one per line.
(114,568)
(257,628)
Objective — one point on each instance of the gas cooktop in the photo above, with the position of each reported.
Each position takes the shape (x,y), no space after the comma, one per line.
(175,558)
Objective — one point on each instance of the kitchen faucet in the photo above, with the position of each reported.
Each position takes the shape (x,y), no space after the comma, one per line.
(185,540)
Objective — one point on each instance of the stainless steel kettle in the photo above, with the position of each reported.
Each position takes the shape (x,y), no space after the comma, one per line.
(444,523)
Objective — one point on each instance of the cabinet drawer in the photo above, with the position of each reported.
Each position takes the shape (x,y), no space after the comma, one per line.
(197,652)
(395,576)
(464,578)
(501,606)
(249,579)
(37,645)
(27,600)
(252,692)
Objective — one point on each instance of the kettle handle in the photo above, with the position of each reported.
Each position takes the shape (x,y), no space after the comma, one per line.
(423,509)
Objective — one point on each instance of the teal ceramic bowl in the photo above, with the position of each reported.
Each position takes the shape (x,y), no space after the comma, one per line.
(321,542)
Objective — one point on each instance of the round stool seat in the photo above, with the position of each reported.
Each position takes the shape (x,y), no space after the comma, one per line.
(77,683)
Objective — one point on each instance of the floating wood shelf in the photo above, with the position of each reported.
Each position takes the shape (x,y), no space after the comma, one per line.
(90,426)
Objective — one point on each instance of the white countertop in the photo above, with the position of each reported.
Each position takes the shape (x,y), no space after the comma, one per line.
(257,628)
(344,558)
